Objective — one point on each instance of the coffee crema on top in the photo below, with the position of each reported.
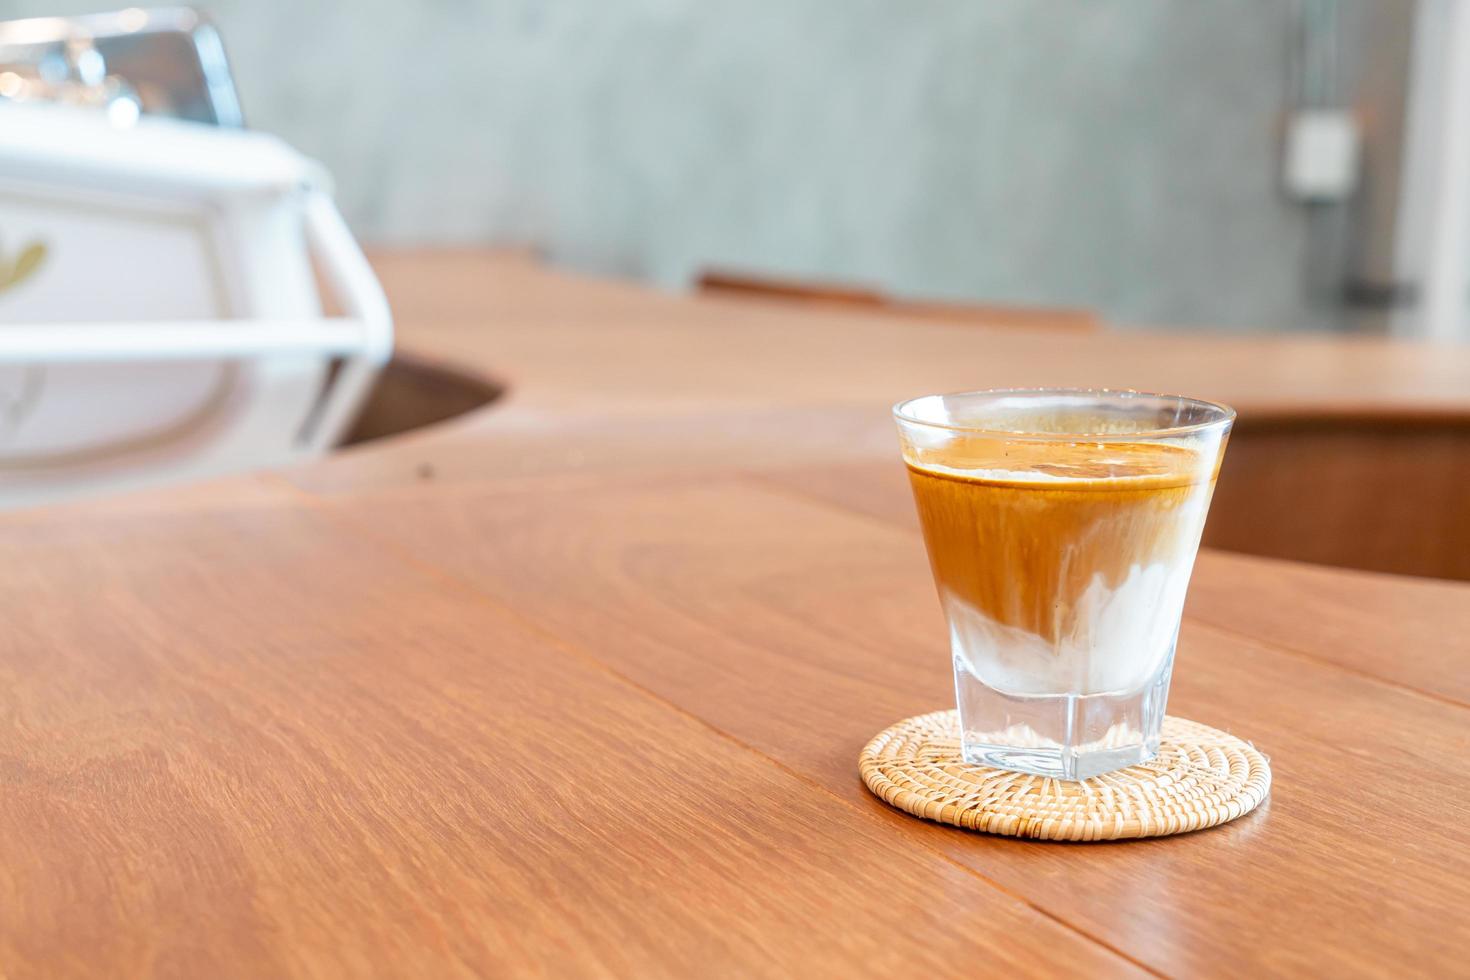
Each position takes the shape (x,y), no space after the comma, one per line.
(1068,543)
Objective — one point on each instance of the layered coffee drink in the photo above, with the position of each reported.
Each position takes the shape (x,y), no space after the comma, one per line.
(1062,553)
(1064,567)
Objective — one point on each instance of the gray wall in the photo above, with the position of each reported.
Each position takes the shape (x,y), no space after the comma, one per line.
(1121,155)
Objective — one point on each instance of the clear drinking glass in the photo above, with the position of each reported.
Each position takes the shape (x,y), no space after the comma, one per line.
(1062,526)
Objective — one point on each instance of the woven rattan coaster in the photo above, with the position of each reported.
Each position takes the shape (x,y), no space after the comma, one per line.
(1201,777)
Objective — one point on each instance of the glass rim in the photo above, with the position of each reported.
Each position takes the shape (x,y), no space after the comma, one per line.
(1226,414)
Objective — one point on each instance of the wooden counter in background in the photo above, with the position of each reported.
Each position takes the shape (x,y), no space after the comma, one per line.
(1377,481)
(575,683)
(1380,490)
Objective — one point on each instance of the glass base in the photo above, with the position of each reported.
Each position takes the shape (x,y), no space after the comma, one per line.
(1066,736)
(1057,763)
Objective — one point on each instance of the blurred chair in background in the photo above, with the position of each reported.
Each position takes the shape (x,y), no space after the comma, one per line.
(741,285)
(159,315)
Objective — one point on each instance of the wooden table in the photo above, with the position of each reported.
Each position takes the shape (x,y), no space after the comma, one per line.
(575,684)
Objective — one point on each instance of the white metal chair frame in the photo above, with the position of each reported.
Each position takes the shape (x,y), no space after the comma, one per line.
(362,340)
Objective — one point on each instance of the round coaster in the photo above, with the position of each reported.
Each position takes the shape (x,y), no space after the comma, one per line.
(1200,778)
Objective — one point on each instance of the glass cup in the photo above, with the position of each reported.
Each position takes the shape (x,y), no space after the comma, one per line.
(1062,526)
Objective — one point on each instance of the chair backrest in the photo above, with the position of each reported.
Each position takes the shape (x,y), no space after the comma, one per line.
(159,318)
(828,294)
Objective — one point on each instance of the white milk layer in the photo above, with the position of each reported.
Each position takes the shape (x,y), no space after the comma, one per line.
(1119,637)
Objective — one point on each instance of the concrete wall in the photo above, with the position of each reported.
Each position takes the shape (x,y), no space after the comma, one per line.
(1121,155)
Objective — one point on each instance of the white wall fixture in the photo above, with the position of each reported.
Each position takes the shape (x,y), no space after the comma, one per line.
(159,315)
(1322,150)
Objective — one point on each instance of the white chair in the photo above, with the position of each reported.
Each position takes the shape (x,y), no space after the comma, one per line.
(159,317)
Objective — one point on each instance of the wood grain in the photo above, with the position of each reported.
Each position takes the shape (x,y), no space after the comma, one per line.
(514,444)
(575,685)
(1407,632)
(327,762)
(803,632)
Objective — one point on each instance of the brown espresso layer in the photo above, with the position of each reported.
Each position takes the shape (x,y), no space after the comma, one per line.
(1022,531)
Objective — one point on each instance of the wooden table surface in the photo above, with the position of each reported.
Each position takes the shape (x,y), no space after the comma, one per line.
(575,685)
